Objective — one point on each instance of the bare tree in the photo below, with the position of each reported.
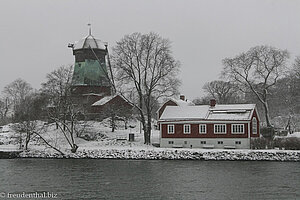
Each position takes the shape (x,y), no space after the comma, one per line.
(57,87)
(34,129)
(4,109)
(222,91)
(291,93)
(296,68)
(16,91)
(145,71)
(58,82)
(25,127)
(48,143)
(70,128)
(27,112)
(63,111)
(258,70)
(202,100)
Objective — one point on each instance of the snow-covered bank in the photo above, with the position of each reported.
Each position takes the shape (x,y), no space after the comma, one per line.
(173,154)
(106,145)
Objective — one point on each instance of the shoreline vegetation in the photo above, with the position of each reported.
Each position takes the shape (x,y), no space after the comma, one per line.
(167,154)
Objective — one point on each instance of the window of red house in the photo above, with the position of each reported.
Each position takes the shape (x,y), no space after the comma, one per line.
(220,128)
(237,129)
(254,125)
(187,129)
(171,129)
(202,128)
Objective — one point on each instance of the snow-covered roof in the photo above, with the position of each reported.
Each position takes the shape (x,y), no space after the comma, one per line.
(233,107)
(231,112)
(180,102)
(205,112)
(93,94)
(184,112)
(89,42)
(104,100)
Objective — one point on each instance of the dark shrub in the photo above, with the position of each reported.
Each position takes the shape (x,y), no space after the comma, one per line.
(258,143)
(291,143)
(267,132)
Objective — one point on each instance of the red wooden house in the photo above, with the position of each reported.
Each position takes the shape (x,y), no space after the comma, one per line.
(111,105)
(209,126)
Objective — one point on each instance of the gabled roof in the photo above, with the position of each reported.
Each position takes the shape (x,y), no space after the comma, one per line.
(205,112)
(178,102)
(107,99)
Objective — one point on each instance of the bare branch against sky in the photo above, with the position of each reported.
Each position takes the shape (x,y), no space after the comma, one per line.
(34,34)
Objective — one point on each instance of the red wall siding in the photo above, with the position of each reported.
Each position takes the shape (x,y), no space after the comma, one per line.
(209,132)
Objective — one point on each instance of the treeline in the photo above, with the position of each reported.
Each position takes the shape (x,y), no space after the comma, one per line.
(262,76)
(27,107)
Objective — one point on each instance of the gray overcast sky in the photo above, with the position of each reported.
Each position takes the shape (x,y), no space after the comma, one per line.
(34,33)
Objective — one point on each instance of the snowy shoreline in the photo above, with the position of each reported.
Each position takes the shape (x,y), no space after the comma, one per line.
(172,154)
(106,146)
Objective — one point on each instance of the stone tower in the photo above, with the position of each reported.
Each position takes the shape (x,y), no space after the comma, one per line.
(90,75)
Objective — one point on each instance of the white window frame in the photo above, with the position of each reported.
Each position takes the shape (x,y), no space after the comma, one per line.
(233,131)
(187,125)
(254,122)
(171,142)
(220,142)
(173,127)
(200,132)
(219,132)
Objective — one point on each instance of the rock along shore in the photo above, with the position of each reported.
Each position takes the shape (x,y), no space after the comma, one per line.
(172,154)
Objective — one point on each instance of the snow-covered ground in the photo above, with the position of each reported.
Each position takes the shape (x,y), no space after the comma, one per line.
(98,135)
(105,144)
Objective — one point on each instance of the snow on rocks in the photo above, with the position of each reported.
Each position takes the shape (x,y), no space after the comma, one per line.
(172,154)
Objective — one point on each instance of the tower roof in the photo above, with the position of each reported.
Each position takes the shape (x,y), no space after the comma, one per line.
(89,42)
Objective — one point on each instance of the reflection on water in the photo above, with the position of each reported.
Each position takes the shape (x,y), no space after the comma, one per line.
(163,179)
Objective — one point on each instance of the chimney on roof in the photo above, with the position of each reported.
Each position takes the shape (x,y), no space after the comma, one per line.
(182,97)
(212,102)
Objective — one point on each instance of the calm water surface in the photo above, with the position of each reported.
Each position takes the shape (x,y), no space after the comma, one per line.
(164,179)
